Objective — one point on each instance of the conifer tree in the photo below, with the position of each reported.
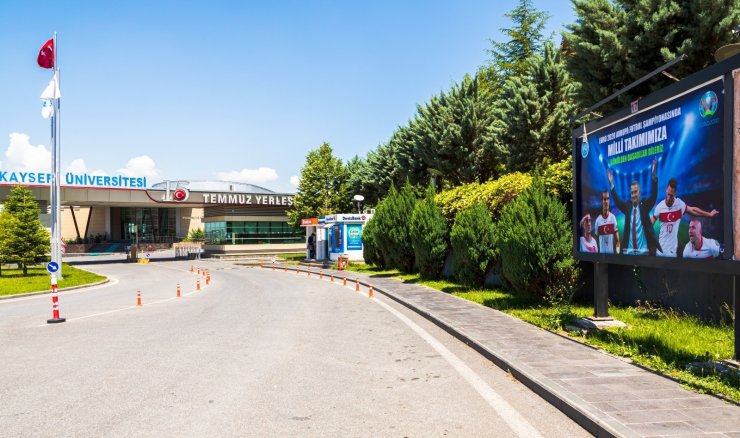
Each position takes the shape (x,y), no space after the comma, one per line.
(7,224)
(472,245)
(534,113)
(394,233)
(323,187)
(429,236)
(615,42)
(510,58)
(26,241)
(454,135)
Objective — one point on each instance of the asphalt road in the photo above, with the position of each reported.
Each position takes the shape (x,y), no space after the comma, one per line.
(256,353)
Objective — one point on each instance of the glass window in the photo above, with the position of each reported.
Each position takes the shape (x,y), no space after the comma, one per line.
(252,232)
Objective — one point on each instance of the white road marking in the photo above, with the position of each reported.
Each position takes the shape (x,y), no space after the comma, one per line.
(518,424)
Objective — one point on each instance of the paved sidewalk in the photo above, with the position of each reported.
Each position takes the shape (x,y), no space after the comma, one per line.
(605,394)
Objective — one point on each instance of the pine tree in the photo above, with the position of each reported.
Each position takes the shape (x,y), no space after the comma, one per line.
(26,241)
(534,113)
(510,58)
(615,42)
(323,187)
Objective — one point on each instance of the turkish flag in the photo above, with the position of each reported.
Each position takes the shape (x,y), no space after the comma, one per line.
(670,216)
(606,229)
(46,55)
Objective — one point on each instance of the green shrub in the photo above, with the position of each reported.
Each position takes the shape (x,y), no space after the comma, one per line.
(558,180)
(429,236)
(494,194)
(370,251)
(394,233)
(535,243)
(196,235)
(472,245)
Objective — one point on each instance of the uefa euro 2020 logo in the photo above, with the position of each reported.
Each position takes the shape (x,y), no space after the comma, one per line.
(708,104)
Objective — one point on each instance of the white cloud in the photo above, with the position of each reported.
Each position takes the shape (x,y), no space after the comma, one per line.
(295,179)
(24,157)
(78,166)
(253,176)
(140,166)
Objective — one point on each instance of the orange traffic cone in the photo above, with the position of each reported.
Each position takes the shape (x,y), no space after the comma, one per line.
(321,274)
(332,277)
(345,280)
(197,284)
(357,285)
(178,290)
(370,292)
(208,279)
(138,298)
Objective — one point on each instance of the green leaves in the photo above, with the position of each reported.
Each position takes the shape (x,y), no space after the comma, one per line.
(614,43)
(323,188)
(535,243)
(429,236)
(472,245)
(23,239)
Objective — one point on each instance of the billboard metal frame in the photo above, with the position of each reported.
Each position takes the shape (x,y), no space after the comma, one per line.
(722,70)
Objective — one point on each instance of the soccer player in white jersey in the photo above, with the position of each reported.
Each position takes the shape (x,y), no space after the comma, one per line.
(588,243)
(606,227)
(669,211)
(700,247)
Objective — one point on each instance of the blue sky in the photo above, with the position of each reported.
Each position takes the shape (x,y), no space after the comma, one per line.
(232,90)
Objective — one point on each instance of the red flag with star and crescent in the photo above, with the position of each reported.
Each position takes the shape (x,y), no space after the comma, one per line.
(46,55)
(670,216)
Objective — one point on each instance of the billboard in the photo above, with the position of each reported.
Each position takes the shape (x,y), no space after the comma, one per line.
(652,183)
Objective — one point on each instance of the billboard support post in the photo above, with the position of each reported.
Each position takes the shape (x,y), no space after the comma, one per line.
(736,302)
(601,290)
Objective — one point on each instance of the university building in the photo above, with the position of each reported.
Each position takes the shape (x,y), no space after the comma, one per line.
(116,210)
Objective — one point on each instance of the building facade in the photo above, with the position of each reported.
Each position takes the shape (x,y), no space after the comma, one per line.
(236,217)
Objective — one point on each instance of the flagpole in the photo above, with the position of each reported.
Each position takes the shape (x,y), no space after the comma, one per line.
(56,231)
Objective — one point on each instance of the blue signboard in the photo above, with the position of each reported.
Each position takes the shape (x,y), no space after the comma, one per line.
(354,237)
(652,183)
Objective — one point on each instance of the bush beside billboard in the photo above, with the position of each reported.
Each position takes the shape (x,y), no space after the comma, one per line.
(652,184)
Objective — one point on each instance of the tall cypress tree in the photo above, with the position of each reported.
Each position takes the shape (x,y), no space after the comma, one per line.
(26,241)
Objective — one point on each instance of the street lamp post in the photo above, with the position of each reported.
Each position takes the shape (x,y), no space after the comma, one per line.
(359,199)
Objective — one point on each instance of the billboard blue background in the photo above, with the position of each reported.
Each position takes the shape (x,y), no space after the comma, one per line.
(692,153)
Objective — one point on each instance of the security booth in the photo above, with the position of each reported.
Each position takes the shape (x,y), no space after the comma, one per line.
(344,235)
(312,227)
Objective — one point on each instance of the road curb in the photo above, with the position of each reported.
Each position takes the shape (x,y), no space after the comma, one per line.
(562,399)
(46,292)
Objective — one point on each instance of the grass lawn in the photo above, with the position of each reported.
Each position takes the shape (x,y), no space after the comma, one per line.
(291,259)
(660,339)
(13,282)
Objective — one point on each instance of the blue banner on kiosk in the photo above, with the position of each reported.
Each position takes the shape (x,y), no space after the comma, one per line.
(652,183)
(354,237)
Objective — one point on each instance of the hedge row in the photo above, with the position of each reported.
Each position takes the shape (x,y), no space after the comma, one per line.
(515,222)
